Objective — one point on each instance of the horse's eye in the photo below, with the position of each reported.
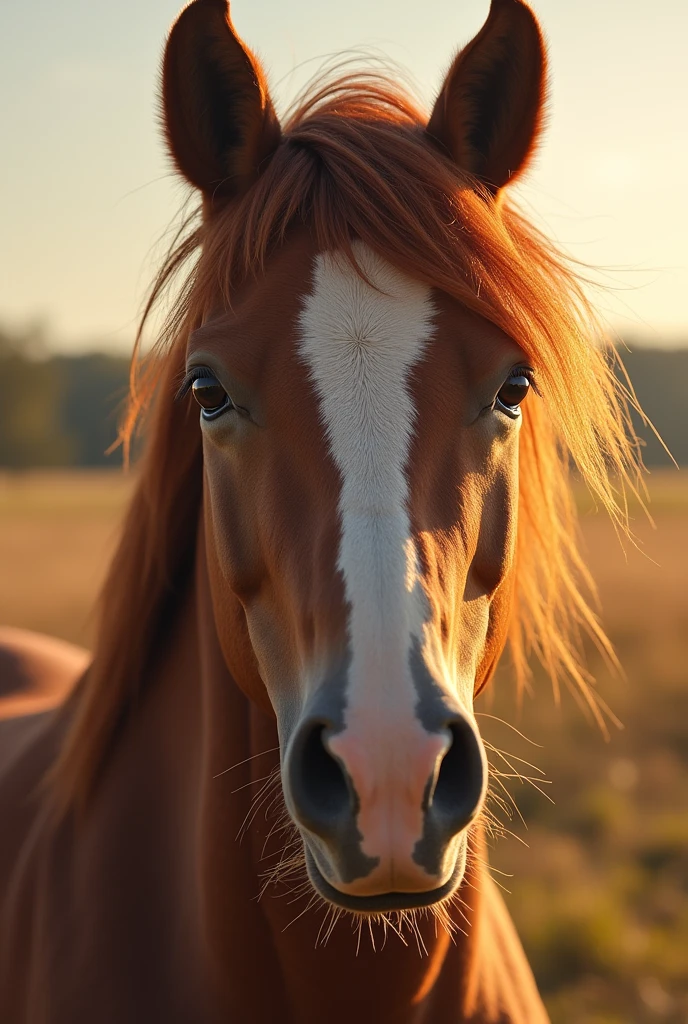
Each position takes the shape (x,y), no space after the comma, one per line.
(211,396)
(513,391)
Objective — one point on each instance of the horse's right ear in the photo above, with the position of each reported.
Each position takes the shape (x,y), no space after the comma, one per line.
(218,118)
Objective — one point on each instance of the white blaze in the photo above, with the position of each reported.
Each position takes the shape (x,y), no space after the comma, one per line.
(361,344)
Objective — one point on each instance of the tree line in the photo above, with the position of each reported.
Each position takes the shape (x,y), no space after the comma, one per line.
(55,409)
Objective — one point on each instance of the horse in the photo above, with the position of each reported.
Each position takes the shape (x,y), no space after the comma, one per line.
(264,799)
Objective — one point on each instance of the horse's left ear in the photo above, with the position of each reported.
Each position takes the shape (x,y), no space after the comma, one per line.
(218,117)
(489,111)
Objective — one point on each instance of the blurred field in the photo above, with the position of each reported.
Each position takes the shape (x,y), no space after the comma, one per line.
(600,893)
(58,529)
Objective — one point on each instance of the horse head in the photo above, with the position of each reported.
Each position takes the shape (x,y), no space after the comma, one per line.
(360,443)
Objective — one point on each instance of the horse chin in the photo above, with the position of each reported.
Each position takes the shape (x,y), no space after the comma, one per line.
(379,903)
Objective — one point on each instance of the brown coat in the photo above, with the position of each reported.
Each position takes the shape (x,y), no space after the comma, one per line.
(146,910)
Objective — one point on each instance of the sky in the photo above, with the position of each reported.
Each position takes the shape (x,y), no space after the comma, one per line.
(87,193)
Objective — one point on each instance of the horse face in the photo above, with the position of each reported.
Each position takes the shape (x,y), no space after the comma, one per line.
(360,508)
(360,438)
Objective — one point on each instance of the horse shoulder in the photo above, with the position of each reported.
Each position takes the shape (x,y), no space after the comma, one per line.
(36,675)
(36,671)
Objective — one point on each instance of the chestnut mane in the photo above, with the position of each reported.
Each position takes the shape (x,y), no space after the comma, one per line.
(355,162)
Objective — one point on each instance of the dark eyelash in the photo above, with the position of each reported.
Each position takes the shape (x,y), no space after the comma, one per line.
(195,374)
(530,373)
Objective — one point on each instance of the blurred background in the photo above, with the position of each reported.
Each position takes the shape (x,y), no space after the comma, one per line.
(597,880)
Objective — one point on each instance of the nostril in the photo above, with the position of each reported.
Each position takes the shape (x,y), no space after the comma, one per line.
(319,786)
(461,778)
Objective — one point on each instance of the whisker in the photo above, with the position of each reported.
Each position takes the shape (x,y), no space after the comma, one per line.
(396,926)
(263,794)
(358,938)
(484,714)
(313,900)
(418,935)
(504,756)
(246,760)
(253,782)
(499,782)
(338,911)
